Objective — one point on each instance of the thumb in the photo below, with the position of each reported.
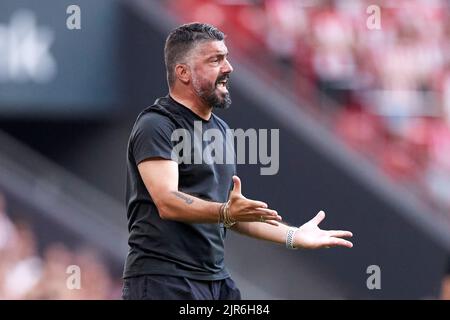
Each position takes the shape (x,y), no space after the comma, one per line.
(237,185)
(318,218)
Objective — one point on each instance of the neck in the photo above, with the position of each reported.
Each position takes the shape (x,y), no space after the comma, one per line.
(191,101)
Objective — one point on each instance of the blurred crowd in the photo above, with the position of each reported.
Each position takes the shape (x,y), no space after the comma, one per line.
(27,274)
(378,71)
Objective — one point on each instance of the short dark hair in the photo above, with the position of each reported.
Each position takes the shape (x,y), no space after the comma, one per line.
(182,40)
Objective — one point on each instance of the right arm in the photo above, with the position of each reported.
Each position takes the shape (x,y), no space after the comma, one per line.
(152,147)
(160,177)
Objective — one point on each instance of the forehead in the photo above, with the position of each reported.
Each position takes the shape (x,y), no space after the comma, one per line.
(209,48)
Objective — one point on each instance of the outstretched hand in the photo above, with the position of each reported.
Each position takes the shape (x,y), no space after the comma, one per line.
(243,209)
(310,236)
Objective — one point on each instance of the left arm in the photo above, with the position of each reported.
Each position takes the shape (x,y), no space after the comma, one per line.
(308,236)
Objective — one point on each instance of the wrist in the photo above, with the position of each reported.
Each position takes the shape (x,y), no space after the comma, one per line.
(225,215)
(290,238)
(219,209)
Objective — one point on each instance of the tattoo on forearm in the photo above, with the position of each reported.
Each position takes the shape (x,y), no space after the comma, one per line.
(182,196)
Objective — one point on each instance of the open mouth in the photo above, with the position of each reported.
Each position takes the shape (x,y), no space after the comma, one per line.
(222,83)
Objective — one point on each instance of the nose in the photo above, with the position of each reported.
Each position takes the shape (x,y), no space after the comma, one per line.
(227,67)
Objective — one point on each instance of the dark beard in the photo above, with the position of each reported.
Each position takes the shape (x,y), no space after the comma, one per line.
(213,99)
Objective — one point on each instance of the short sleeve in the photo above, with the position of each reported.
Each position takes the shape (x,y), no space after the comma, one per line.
(152,137)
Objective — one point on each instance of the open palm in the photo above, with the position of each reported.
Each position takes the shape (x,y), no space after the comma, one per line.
(310,236)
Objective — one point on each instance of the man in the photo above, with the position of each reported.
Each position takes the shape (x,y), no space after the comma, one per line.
(179,211)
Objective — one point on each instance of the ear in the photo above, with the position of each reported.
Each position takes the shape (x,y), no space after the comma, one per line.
(183,73)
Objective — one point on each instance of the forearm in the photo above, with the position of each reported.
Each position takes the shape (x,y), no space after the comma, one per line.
(179,206)
(263,231)
(307,236)
(160,177)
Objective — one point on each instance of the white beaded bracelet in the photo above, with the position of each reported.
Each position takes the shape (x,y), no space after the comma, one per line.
(290,234)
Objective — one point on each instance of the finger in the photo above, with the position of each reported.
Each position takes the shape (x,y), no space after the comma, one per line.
(318,218)
(237,185)
(264,217)
(337,242)
(256,204)
(267,211)
(340,233)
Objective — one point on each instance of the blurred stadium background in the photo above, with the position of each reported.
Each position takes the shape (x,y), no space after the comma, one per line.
(364,119)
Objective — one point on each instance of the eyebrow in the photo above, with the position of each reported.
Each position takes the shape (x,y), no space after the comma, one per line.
(218,54)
